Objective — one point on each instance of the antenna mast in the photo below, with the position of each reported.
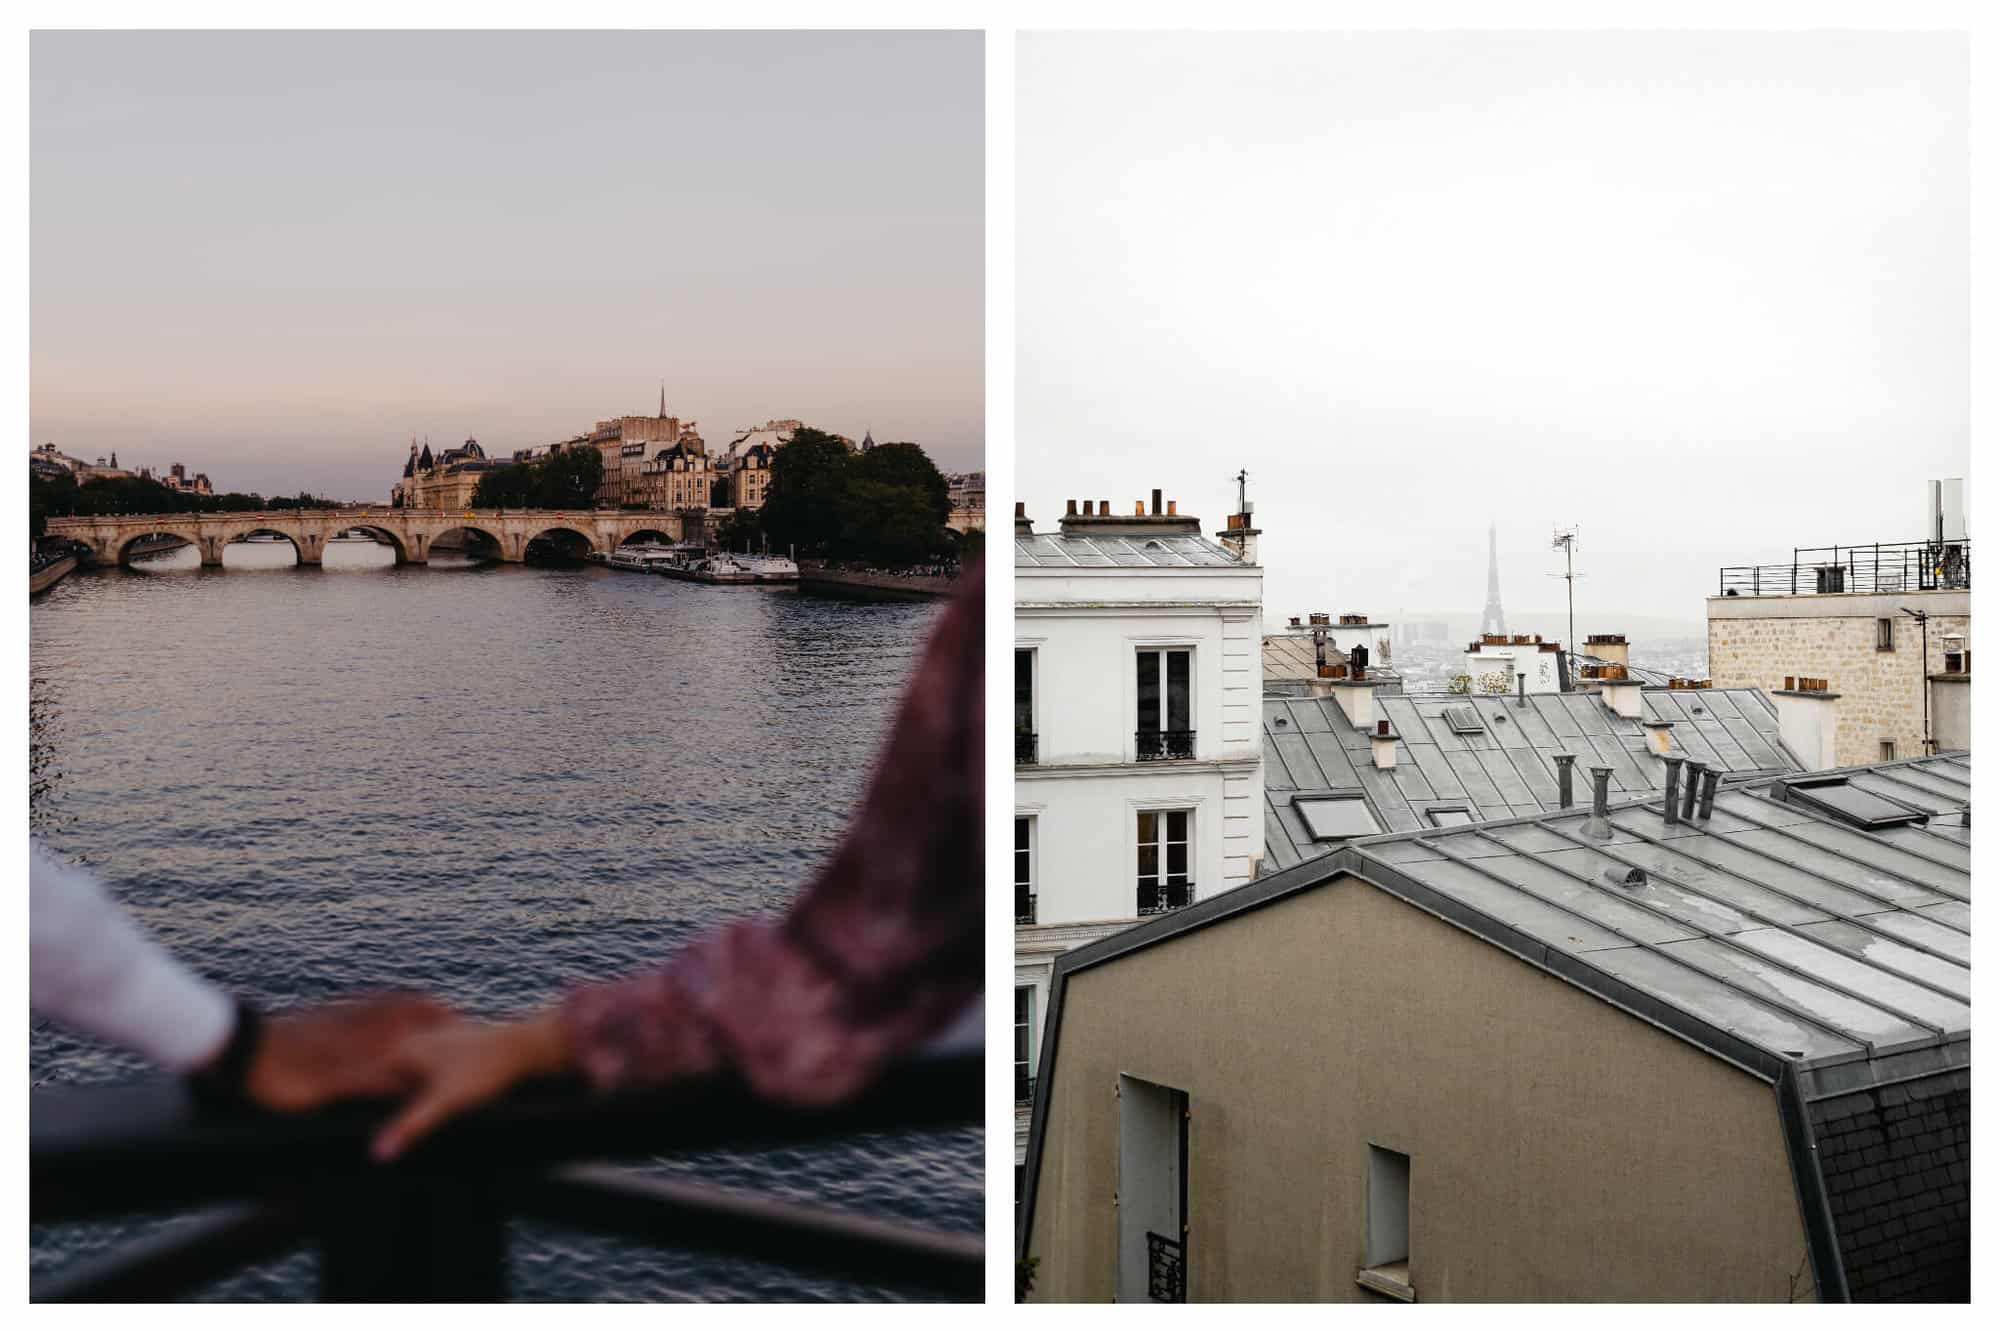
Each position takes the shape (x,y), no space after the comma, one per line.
(1565,541)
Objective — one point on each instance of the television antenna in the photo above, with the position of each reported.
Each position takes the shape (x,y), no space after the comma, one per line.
(1565,541)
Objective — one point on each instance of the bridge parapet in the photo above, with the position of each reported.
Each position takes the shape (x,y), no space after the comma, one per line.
(411,531)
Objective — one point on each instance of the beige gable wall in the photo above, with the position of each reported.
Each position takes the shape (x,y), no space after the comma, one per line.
(1560,1149)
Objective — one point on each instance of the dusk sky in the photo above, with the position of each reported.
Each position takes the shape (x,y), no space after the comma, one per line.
(275,257)
(1703,296)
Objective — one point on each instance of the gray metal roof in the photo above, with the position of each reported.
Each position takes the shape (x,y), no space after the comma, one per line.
(1804,938)
(1827,959)
(1048,550)
(1504,768)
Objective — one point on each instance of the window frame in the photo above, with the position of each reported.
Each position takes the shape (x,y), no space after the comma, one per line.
(1163,881)
(1024,1042)
(1163,677)
(1385,1223)
(1027,822)
(1300,799)
(1885,634)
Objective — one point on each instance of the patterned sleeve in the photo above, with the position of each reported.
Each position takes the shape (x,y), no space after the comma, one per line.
(882,949)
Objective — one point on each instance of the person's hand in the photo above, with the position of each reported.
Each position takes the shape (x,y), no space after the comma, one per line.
(453,1068)
(337,1050)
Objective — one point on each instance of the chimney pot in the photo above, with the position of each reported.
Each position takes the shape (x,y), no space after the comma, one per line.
(1173,507)
(1564,796)
(1709,781)
(1156,500)
(1673,789)
(1020,509)
(1695,770)
(1138,509)
(1104,508)
(1072,509)
(1382,727)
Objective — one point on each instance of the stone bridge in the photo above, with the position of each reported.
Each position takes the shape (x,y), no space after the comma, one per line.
(504,533)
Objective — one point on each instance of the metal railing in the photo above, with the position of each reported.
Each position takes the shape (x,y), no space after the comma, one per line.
(1167,895)
(1024,747)
(1877,567)
(1165,744)
(433,1225)
(1166,1273)
(1024,908)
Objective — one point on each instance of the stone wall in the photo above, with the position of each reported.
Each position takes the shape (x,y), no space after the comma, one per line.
(1761,640)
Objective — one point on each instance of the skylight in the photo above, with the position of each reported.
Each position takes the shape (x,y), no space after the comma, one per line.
(1332,818)
(1849,803)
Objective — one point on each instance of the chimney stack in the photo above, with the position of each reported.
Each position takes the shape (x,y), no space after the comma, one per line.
(1709,781)
(1565,798)
(1695,770)
(1659,737)
(1599,823)
(1383,743)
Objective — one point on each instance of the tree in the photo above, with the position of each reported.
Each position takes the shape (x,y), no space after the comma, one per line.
(566,479)
(804,506)
(718,494)
(741,531)
(907,465)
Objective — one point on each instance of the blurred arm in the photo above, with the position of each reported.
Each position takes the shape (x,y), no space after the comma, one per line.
(92,969)
(880,952)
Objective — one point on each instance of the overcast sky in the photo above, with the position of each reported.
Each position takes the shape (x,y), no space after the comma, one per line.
(1703,297)
(277,256)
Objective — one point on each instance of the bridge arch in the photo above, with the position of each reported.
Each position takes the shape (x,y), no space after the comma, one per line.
(387,536)
(492,545)
(653,534)
(117,550)
(571,541)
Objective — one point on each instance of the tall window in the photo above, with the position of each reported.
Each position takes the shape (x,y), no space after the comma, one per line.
(1388,1253)
(1024,1031)
(1164,881)
(1024,705)
(1024,870)
(1885,635)
(1166,716)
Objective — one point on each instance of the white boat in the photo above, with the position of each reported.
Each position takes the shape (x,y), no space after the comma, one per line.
(641,556)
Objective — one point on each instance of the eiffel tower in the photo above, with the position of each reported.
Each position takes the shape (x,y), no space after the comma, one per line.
(1493,620)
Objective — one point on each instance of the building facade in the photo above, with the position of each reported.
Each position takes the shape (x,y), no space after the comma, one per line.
(968,501)
(1609,1054)
(1868,643)
(445,480)
(1138,777)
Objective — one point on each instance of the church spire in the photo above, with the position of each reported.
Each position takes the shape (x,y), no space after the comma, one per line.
(663,400)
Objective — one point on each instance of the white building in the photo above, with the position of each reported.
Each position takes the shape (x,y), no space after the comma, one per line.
(1139,771)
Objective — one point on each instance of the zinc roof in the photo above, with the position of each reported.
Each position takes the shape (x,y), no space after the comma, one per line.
(1505,766)
(1048,550)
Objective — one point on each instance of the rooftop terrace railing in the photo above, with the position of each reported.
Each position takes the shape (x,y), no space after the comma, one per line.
(1878,567)
(432,1226)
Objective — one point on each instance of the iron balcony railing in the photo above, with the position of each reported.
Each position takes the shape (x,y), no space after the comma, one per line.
(1024,908)
(1167,895)
(1024,747)
(1165,744)
(1166,1274)
(1878,567)
(433,1225)
(1024,1087)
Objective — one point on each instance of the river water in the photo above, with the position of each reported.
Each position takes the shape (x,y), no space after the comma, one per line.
(486,781)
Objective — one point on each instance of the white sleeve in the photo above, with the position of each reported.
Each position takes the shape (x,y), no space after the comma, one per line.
(91,968)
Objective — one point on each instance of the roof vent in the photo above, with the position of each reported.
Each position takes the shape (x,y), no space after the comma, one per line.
(1463,720)
(1626,877)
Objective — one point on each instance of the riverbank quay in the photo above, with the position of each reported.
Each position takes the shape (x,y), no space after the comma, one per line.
(41,579)
(817,575)
(259,1186)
